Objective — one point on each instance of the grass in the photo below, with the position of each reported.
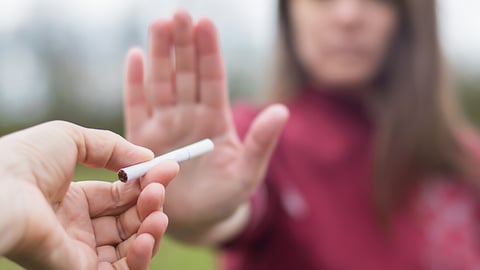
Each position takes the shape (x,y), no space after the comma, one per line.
(172,255)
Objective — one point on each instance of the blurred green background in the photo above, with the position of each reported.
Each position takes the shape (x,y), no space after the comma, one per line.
(64,60)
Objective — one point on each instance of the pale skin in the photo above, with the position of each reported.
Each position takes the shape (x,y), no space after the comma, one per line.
(184,89)
(190,98)
(342,43)
(48,222)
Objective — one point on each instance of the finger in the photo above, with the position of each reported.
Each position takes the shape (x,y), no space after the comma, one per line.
(107,254)
(186,84)
(115,253)
(105,149)
(114,198)
(109,199)
(161,84)
(109,266)
(213,90)
(54,148)
(159,174)
(111,230)
(137,109)
(261,140)
(156,225)
(150,200)
(140,253)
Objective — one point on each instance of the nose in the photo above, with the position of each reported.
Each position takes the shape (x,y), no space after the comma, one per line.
(347,12)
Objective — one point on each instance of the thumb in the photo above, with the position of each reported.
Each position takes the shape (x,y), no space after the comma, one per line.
(50,151)
(261,140)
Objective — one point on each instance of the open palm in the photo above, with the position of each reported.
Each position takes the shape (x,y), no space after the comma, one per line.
(185,99)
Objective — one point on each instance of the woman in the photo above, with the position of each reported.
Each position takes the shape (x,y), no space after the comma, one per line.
(372,169)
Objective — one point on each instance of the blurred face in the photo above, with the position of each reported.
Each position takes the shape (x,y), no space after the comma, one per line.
(342,43)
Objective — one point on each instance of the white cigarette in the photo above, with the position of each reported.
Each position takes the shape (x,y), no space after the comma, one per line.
(178,155)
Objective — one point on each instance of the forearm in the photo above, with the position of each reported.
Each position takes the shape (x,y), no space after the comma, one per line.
(218,233)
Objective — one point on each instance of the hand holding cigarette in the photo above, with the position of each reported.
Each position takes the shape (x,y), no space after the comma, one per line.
(179,155)
(82,223)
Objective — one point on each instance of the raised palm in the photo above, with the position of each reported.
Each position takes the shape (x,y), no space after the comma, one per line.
(185,99)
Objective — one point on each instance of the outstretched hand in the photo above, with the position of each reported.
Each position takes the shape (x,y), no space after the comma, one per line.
(183,98)
(47,222)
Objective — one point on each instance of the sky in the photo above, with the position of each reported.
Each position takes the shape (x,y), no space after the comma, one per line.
(458,19)
(246,27)
(459,29)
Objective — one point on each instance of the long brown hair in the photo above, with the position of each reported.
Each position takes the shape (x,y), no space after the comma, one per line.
(416,117)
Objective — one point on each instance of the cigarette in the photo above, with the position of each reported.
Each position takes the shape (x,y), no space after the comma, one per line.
(178,155)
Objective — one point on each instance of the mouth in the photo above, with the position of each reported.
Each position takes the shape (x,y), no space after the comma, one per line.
(348,53)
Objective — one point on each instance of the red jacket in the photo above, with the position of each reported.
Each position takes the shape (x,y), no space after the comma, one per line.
(314,209)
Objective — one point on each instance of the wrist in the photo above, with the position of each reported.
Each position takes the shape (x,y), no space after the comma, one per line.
(229,228)
(216,233)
